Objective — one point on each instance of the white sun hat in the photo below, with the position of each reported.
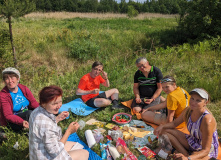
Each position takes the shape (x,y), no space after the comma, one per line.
(201,93)
(11,70)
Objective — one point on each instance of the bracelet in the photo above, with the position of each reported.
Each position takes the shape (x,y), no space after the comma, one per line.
(106,79)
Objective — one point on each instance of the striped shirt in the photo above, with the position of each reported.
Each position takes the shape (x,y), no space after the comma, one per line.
(44,137)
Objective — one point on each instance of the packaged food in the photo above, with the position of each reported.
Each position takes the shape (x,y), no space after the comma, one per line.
(122,148)
(147,152)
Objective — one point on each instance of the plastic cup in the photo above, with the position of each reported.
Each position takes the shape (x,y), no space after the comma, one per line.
(81,124)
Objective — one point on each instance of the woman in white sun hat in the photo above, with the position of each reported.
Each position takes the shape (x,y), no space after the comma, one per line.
(16,101)
(202,142)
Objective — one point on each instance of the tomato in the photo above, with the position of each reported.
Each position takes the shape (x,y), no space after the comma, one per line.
(123,120)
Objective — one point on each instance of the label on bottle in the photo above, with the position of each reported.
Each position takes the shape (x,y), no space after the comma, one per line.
(163,154)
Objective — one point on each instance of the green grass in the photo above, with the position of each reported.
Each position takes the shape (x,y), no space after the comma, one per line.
(47,54)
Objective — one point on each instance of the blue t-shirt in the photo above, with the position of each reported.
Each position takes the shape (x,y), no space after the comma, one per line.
(20,102)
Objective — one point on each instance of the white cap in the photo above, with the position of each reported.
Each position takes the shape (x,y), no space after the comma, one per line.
(201,93)
(11,70)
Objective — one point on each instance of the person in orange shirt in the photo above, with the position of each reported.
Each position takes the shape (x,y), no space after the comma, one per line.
(89,88)
(177,100)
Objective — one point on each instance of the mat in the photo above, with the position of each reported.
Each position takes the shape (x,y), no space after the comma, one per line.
(92,155)
(78,107)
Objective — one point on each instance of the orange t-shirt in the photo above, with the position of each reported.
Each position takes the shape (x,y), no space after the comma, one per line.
(88,83)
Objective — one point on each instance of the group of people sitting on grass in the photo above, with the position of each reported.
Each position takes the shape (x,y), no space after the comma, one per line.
(19,109)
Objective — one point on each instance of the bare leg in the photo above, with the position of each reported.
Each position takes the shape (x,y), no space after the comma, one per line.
(79,154)
(152,117)
(178,140)
(137,109)
(68,145)
(102,102)
(113,93)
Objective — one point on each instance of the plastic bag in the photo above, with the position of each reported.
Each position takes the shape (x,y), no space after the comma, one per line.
(147,152)
(165,146)
(98,136)
(115,134)
(122,148)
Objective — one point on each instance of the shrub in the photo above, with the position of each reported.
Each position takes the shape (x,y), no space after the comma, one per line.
(132,12)
(83,50)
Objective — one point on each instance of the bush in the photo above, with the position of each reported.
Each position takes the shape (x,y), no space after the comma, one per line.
(132,12)
(83,50)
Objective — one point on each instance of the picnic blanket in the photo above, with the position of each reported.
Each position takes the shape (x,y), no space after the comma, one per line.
(78,107)
(92,155)
(184,129)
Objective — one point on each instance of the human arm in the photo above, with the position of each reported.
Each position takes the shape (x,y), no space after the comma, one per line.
(7,110)
(50,134)
(170,125)
(73,127)
(156,107)
(170,115)
(62,116)
(136,92)
(106,83)
(207,128)
(83,92)
(25,124)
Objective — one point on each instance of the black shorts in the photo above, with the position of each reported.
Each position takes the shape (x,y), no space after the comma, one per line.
(90,102)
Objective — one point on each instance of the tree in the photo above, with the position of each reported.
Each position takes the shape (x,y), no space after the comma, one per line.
(202,19)
(15,8)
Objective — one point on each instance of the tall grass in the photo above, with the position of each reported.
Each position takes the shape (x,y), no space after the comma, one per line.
(61,51)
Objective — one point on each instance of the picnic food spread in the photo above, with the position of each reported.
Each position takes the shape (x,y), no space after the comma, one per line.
(114,139)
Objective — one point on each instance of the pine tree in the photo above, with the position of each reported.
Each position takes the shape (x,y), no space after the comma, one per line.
(15,8)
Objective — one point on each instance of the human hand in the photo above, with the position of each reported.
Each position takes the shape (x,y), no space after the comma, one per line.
(147,109)
(104,75)
(148,101)
(158,130)
(25,124)
(73,127)
(180,156)
(138,100)
(95,91)
(62,116)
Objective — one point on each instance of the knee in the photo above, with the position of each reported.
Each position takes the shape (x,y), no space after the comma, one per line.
(115,90)
(146,115)
(137,110)
(86,154)
(107,103)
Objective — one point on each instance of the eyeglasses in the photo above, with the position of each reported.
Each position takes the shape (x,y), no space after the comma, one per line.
(142,65)
(166,80)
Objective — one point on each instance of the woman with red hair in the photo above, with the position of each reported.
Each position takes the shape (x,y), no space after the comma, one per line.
(45,136)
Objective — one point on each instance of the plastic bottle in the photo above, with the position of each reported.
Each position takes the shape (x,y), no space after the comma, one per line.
(90,138)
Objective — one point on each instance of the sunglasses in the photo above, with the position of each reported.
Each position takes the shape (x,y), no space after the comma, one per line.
(166,80)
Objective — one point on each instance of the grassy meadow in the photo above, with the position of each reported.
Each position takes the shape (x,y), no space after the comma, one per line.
(60,51)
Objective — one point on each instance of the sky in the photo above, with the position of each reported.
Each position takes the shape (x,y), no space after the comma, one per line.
(141,1)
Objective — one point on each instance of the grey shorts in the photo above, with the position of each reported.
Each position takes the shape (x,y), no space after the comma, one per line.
(144,105)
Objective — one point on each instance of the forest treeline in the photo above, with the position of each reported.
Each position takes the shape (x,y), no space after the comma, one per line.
(152,6)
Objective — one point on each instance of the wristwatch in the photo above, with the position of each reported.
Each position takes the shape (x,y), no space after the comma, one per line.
(188,158)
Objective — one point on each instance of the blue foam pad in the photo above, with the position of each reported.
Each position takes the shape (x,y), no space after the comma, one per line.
(92,155)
